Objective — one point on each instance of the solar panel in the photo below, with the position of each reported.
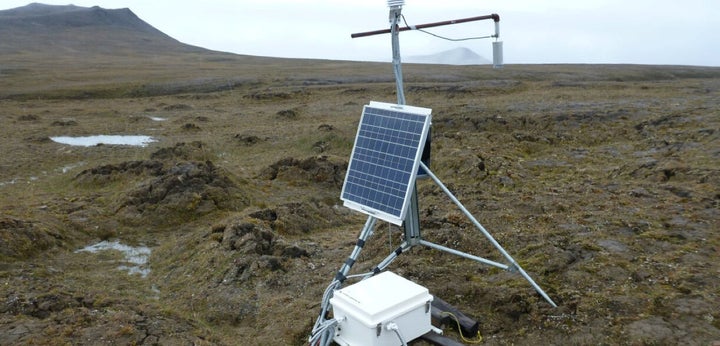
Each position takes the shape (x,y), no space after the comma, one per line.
(385,160)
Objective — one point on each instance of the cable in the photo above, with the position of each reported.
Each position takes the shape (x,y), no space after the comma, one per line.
(443,37)
(478,337)
(394,327)
(323,326)
(326,328)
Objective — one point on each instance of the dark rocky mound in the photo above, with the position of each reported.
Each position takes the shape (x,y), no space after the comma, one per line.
(303,217)
(104,174)
(134,325)
(247,140)
(319,169)
(24,238)
(176,185)
(251,238)
(260,247)
(156,166)
(181,193)
(319,210)
(233,255)
(193,151)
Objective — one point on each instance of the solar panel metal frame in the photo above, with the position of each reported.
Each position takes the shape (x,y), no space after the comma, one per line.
(385,160)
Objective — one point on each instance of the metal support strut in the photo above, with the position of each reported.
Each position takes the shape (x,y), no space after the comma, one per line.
(487,235)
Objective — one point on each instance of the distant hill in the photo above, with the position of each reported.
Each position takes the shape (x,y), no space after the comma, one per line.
(457,56)
(81,30)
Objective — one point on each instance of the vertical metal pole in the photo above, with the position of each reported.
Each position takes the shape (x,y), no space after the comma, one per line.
(412,220)
(397,64)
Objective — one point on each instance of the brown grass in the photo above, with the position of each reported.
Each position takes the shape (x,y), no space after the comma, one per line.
(601,180)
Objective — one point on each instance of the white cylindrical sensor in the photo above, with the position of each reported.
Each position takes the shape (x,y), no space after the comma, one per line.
(497,54)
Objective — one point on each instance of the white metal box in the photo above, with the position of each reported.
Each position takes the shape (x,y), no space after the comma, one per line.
(366,308)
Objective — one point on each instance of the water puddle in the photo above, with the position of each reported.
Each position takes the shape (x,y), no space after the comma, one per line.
(9,182)
(89,141)
(136,257)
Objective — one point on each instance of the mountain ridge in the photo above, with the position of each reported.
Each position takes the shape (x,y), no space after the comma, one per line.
(455,56)
(72,29)
(36,8)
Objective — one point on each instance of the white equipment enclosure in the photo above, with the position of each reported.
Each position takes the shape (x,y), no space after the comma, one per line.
(368,309)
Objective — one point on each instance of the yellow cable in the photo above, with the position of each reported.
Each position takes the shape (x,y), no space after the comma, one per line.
(478,337)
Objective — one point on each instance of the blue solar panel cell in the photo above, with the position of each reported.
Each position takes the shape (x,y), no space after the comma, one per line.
(385,159)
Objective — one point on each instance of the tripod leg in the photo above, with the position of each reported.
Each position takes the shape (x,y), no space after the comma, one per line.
(364,235)
(342,274)
(487,234)
(389,259)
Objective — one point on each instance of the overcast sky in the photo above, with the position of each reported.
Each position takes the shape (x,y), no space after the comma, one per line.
(685,32)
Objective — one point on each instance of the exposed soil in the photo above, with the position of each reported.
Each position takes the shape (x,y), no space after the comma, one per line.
(603,182)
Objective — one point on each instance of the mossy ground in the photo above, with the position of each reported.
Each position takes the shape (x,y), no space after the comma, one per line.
(601,181)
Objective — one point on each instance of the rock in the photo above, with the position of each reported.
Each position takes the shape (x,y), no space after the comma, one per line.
(233,233)
(289,250)
(506,181)
(612,246)
(191,127)
(271,262)
(248,238)
(247,140)
(650,331)
(288,114)
(558,259)
(265,214)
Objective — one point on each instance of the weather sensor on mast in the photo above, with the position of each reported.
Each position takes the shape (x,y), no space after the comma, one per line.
(396,7)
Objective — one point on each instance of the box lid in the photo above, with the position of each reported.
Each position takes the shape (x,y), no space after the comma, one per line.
(381,296)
